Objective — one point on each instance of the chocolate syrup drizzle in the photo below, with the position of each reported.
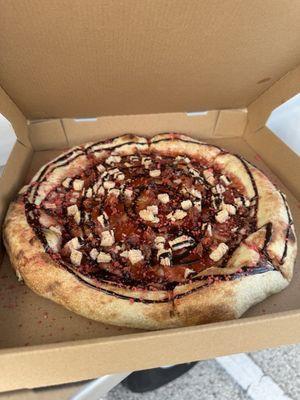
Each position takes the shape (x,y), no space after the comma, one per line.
(288,229)
(265,266)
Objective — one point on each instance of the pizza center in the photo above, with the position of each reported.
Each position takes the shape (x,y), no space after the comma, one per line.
(143,220)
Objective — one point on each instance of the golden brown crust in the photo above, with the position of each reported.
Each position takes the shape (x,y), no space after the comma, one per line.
(220,300)
(282,231)
(225,300)
(233,166)
(177,144)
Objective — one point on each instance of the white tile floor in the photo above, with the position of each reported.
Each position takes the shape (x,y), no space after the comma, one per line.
(206,381)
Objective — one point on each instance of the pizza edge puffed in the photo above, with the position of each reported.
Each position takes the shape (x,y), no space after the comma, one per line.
(220,301)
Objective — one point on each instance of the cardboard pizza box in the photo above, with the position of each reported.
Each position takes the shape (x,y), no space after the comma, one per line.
(61,392)
(71,72)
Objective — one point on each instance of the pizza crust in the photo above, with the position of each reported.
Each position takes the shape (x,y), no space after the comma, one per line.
(225,300)
(189,304)
(170,144)
(234,167)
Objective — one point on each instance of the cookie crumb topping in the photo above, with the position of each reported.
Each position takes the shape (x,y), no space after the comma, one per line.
(107,238)
(72,210)
(78,184)
(76,257)
(149,215)
(181,242)
(222,216)
(73,244)
(103,257)
(135,256)
(186,204)
(111,160)
(128,192)
(209,176)
(154,173)
(219,252)
(66,182)
(94,254)
(163,198)
(109,185)
(177,215)
(229,208)
(100,168)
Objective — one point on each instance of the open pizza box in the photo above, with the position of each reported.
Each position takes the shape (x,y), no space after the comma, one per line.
(73,72)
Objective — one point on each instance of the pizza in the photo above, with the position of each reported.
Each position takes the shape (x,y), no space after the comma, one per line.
(151,233)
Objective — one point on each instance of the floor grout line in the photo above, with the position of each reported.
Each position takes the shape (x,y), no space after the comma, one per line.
(250,377)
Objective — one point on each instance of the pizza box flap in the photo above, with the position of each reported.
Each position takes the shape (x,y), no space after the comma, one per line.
(62,59)
(18,121)
(283,161)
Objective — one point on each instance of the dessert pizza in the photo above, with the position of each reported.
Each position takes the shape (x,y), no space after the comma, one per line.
(151,233)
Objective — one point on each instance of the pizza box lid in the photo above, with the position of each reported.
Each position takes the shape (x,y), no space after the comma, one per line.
(134,57)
